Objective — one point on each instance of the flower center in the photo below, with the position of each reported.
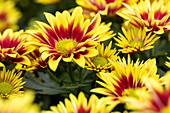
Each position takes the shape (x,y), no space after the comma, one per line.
(99,60)
(136,44)
(66,46)
(132,92)
(5,88)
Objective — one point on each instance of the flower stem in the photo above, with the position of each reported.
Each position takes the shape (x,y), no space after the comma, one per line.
(151,53)
(80,75)
(138,56)
(72,77)
(52,76)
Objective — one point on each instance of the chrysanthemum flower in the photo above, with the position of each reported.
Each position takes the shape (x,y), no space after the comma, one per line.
(101,62)
(10,83)
(104,7)
(135,40)
(47,1)
(150,16)
(13,48)
(167,63)
(70,37)
(80,105)
(155,101)
(9,15)
(19,104)
(125,77)
(36,61)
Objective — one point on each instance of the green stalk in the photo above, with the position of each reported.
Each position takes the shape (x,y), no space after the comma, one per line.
(151,53)
(72,77)
(52,76)
(80,75)
(138,55)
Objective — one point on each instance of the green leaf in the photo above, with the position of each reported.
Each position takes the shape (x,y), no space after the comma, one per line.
(44,86)
(73,85)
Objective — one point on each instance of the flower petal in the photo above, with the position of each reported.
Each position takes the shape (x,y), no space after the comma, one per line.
(53,62)
(79,59)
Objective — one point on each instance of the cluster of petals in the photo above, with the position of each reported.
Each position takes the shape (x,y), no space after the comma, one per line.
(36,61)
(101,61)
(13,47)
(135,39)
(156,100)
(104,7)
(125,77)
(10,83)
(153,16)
(81,105)
(69,37)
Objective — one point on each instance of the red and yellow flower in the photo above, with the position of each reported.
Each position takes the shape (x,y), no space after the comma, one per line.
(126,77)
(104,7)
(157,100)
(13,47)
(36,61)
(135,40)
(70,37)
(150,16)
(101,62)
(80,105)
(9,15)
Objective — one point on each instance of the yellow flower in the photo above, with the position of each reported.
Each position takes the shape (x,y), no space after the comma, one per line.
(9,15)
(80,105)
(101,62)
(155,101)
(135,40)
(104,7)
(70,37)
(47,1)
(13,47)
(126,77)
(10,83)
(150,16)
(167,63)
(19,104)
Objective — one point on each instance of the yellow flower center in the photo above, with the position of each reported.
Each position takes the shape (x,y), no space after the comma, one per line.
(136,44)
(128,92)
(99,60)
(5,88)
(65,46)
